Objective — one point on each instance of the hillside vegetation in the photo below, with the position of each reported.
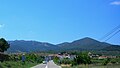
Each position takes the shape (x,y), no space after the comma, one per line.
(85,44)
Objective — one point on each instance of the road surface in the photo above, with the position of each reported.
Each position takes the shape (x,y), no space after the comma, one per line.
(39,66)
(50,64)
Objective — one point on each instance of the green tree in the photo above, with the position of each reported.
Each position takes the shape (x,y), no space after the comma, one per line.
(82,58)
(56,59)
(106,61)
(3,45)
(66,61)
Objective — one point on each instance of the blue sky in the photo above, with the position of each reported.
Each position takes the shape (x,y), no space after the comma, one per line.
(57,21)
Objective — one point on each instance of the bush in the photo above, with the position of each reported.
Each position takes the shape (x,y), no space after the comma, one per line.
(113,61)
(4,57)
(34,58)
(106,61)
(15,57)
(56,60)
(82,58)
(1,66)
(65,61)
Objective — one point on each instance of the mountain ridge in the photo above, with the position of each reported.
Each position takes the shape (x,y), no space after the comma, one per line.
(81,44)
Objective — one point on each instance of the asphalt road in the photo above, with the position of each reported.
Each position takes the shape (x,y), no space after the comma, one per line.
(39,66)
(50,64)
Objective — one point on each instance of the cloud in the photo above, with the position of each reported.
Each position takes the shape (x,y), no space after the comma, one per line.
(115,3)
(1,25)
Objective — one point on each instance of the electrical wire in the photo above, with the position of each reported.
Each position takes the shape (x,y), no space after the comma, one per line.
(112,35)
(109,33)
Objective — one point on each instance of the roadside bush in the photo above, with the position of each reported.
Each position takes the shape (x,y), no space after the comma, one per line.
(65,61)
(106,61)
(15,57)
(56,60)
(1,66)
(4,57)
(113,61)
(34,58)
(96,61)
(40,59)
(82,58)
(74,63)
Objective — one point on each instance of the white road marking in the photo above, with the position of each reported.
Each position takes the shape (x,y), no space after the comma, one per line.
(46,66)
(49,64)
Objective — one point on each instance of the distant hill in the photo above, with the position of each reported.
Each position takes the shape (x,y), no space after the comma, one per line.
(30,46)
(81,44)
(84,44)
(112,48)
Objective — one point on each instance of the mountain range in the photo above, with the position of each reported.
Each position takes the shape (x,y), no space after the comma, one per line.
(81,44)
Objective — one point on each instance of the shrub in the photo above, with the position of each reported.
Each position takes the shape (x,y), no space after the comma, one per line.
(106,61)
(65,61)
(56,60)
(82,58)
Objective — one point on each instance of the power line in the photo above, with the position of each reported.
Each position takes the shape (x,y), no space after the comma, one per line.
(112,35)
(109,33)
